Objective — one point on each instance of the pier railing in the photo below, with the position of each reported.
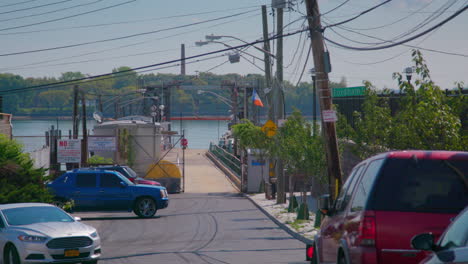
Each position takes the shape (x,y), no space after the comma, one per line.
(229,160)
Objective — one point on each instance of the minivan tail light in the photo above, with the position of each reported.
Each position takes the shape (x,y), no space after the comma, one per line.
(310,252)
(367,230)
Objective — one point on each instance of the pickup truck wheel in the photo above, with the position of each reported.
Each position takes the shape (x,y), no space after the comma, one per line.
(145,207)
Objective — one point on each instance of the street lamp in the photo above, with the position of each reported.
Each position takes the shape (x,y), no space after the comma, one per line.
(217,37)
(409,72)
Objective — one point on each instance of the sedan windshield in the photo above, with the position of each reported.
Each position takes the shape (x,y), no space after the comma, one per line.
(34,215)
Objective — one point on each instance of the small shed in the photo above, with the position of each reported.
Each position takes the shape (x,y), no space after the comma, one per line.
(138,143)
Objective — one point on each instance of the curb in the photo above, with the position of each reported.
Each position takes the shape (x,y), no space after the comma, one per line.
(281,225)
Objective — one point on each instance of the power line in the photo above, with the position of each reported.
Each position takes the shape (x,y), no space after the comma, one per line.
(305,65)
(333,9)
(41,63)
(50,12)
(67,17)
(33,7)
(123,37)
(402,41)
(389,41)
(396,21)
(24,2)
(359,15)
(152,65)
(126,22)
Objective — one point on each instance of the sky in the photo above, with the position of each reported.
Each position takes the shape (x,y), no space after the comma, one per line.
(24,27)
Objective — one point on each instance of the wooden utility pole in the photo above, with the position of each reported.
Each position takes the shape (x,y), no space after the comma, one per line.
(75,111)
(279,104)
(84,142)
(100,103)
(329,130)
(266,46)
(182,61)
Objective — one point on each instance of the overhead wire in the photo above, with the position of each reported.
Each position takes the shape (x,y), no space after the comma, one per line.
(123,37)
(305,65)
(397,43)
(149,66)
(395,21)
(34,7)
(42,64)
(359,15)
(127,22)
(51,12)
(67,17)
(18,3)
(406,45)
(335,8)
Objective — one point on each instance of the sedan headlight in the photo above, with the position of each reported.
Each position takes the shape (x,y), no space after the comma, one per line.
(94,234)
(37,239)
(163,193)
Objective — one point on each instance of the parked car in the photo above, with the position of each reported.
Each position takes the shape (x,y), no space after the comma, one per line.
(130,174)
(43,233)
(388,199)
(452,246)
(108,190)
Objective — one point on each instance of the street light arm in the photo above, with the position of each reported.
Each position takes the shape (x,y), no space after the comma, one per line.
(221,98)
(228,46)
(211,37)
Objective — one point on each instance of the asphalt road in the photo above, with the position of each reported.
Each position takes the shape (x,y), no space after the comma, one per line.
(196,228)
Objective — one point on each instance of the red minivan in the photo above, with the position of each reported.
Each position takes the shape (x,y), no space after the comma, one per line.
(387,200)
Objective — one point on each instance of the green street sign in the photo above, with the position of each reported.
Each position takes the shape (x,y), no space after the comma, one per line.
(348,91)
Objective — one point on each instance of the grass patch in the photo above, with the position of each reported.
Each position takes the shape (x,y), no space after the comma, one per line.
(297,224)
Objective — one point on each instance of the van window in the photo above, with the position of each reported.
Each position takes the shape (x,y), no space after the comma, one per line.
(347,189)
(365,184)
(429,186)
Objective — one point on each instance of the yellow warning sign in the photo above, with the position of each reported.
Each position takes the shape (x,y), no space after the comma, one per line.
(269,128)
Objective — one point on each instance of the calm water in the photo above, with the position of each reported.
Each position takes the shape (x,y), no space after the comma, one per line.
(199,133)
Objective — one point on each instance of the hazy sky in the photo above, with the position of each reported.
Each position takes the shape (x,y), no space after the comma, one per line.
(17,35)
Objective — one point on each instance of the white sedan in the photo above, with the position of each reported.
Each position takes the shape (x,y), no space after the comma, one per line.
(43,233)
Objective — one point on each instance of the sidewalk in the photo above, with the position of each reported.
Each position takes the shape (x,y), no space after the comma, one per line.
(302,230)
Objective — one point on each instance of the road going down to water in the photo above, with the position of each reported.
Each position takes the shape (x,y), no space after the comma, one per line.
(199,226)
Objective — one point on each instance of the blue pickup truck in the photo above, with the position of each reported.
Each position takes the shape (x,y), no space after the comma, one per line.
(108,190)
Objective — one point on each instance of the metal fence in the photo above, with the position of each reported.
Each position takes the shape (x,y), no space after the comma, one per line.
(229,160)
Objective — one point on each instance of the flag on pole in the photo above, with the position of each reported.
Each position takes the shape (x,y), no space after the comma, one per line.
(256,99)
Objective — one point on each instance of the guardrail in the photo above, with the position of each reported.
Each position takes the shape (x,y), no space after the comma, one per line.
(228,160)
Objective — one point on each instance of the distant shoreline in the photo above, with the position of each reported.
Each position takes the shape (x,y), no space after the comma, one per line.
(175,118)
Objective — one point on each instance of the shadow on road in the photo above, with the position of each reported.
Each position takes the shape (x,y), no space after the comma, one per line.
(102,218)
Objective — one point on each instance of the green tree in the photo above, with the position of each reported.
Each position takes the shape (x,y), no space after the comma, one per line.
(19,180)
(301,152)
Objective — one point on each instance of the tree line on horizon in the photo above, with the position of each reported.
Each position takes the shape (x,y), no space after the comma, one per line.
(58,101)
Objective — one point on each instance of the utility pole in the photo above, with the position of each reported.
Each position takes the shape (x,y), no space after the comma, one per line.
(182,61)
(314,100)
(329,130)
(279,104)
(84,144)
(75,111)
(100,102)
(266,46)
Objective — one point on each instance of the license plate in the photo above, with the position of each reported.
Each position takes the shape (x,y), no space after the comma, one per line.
(72,253)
